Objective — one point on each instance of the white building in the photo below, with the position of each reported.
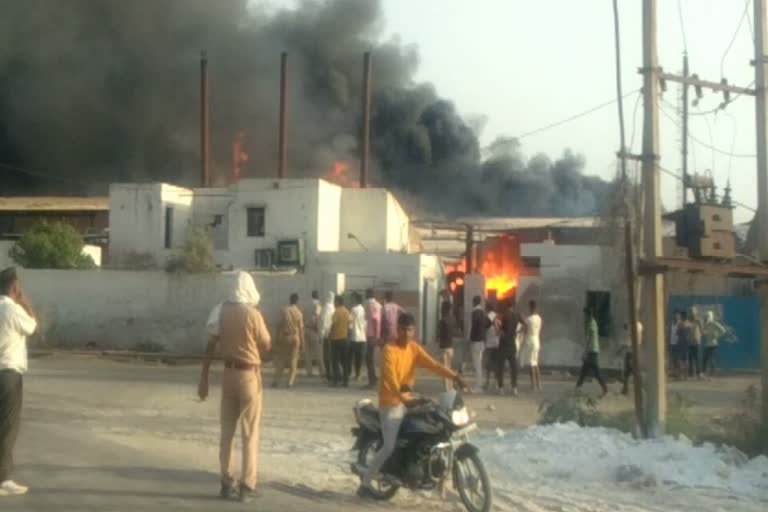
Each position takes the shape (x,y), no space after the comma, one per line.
(329,234)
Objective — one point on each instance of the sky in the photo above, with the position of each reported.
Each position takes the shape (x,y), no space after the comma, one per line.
(514,66)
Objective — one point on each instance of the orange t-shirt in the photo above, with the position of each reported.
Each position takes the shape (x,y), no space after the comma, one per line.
(398,369)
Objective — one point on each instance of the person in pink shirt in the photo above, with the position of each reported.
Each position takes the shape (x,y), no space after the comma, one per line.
(373,310)
(391,312)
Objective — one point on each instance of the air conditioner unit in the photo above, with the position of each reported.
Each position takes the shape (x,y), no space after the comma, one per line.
(290,253)
(264,258)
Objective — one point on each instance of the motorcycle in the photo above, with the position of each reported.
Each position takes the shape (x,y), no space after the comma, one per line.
(432,446)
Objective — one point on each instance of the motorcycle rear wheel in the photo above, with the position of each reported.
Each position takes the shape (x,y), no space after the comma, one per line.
(472,482)
(381,489)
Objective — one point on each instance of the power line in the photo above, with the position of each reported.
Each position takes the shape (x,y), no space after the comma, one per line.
(680,178)
(573,117)
(704,144)
(733,38)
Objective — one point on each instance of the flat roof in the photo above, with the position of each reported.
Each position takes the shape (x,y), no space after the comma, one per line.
(511,223)
(53,204)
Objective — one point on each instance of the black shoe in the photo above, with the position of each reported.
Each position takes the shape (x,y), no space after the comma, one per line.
(228,492)
(247,495)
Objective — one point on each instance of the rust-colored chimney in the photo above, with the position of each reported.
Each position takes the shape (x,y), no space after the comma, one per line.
(282,150)
(366,135)
(205,177)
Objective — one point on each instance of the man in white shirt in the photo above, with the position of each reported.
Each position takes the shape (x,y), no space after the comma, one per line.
(491,352)
(17,321)
(313,351)
(358,336)
(533,345)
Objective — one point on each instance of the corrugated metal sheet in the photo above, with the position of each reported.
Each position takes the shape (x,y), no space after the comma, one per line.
(741,315)
(53,204)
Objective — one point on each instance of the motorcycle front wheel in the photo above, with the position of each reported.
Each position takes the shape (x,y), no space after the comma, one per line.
(382,489)
(472,482)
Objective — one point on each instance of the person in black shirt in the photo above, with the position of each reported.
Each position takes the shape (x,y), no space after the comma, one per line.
(510,323)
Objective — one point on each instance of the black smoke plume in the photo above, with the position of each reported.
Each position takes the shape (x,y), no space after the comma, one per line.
(100,91)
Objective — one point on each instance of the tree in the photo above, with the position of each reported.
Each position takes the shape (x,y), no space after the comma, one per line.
(196,256)
(51,245)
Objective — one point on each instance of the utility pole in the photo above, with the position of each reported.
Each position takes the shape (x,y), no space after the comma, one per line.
(761,118)
(685,130)
(653,287)
(282,145)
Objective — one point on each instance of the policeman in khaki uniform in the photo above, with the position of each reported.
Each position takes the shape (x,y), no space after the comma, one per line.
(290,342)
(237,329)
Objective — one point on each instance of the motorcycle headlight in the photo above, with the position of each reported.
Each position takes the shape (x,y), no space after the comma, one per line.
(460,417)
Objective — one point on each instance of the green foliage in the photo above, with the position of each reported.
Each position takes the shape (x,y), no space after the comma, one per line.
(582,410)
(55,245)
(196,257)
(741,429)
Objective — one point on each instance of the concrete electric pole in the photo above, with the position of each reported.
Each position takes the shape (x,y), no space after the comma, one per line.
(761,117)
(654,324)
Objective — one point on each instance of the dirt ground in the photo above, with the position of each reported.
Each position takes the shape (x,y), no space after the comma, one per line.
(108,435)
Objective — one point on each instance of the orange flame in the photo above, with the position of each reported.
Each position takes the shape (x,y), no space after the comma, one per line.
(340,175)
(239,155)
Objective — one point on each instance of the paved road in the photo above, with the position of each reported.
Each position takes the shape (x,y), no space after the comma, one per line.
(69,472)
(101,436)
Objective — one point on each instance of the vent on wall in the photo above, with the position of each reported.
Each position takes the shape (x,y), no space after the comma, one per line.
(264,258)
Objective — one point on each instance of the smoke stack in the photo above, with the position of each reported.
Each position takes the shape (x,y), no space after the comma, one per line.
(366,142)
(204,136)
(283,143)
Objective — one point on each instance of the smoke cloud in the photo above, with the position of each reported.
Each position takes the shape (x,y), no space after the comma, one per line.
(93,92)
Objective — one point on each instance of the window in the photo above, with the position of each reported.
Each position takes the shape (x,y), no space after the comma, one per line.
(600,303)
(168,227)
(255,221)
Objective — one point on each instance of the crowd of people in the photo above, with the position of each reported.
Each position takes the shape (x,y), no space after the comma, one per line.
(689,334)
(338,339)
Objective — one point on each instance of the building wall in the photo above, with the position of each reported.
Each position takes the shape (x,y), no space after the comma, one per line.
(567,273)
(124,309)
(398,226)
(328,216)
(364,215)
(137,220)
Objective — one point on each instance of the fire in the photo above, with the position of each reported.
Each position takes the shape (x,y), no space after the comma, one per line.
(500,264)
(341,175)
(239,155)
(502,285)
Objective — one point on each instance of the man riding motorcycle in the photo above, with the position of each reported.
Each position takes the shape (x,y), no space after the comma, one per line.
(400,358)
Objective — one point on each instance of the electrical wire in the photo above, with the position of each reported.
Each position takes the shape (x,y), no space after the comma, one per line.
(733,38)
(678,177)
(573,117)
(711,143)
(704,144)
